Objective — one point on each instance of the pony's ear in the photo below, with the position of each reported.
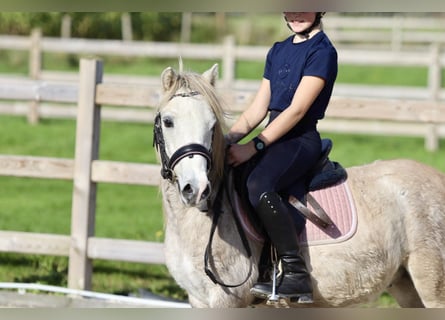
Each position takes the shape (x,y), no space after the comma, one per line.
(168,77)
(212,74)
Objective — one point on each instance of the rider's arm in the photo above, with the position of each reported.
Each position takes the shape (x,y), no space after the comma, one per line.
(307,91)
(252,116)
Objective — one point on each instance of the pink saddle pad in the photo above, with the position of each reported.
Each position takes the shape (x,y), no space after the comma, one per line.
(339,205)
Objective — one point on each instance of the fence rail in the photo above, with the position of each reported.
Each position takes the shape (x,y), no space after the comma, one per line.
(398,111)
(429,56)
(395,33)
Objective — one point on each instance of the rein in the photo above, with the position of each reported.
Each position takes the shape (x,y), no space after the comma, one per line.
(217,210)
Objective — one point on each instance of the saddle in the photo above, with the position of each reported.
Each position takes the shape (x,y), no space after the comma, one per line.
(324,174)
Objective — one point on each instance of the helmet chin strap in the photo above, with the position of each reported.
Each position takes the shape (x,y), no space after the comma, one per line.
(306,33)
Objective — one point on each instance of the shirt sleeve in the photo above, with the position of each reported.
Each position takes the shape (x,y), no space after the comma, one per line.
(322,63)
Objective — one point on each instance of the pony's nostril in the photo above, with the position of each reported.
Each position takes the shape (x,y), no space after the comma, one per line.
(188,193)
(187,190)
(205,193)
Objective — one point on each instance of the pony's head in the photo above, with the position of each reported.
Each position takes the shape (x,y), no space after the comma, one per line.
(189,134)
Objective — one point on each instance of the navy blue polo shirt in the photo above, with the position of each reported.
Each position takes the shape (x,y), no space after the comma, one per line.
(288,62)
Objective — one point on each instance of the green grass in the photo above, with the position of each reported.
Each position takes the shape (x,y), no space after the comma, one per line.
(44,206)
(132,212)
(354,149)
(383,75)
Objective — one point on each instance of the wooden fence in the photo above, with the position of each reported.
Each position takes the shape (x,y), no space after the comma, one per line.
(86,170)
(430,56)
(396,32)
(238,92)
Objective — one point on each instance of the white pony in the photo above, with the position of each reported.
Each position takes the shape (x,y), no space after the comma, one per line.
(399,245)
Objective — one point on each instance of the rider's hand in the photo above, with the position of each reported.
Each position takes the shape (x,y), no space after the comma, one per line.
(240,153)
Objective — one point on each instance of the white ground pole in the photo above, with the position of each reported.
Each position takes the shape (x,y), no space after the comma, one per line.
(23,287)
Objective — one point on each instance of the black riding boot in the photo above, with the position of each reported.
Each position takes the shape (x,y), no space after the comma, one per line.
(294,282)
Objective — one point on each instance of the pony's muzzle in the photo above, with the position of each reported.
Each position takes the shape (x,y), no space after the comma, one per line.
(193,195)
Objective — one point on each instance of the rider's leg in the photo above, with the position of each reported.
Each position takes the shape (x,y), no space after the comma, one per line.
(295,281)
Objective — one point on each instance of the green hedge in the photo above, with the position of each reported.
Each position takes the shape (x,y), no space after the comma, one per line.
(153,26)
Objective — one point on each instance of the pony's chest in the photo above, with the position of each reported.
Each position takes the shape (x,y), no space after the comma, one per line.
(181,266)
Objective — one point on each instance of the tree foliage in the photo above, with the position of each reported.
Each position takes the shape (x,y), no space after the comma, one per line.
(154,26)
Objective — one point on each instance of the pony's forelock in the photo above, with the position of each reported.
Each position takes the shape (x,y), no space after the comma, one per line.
(187,81)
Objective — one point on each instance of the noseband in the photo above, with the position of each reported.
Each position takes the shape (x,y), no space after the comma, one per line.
(189,150)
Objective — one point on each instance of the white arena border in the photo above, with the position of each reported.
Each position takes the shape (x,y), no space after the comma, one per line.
(22,287)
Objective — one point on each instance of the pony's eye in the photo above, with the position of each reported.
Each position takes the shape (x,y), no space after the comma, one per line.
(168,122)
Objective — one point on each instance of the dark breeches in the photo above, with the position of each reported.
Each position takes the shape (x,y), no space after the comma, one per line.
(282,169)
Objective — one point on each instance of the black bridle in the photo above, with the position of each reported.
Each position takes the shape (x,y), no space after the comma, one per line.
(168,165)
(189,150)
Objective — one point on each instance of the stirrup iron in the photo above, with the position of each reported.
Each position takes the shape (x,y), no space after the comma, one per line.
(273,298)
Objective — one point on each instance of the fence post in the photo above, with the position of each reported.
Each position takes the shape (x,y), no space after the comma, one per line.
(397,33)
(84,190)
(186,27)
(126,27)
(35,67)
(434,86)
(434,72)
(228,61)
(65,29)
